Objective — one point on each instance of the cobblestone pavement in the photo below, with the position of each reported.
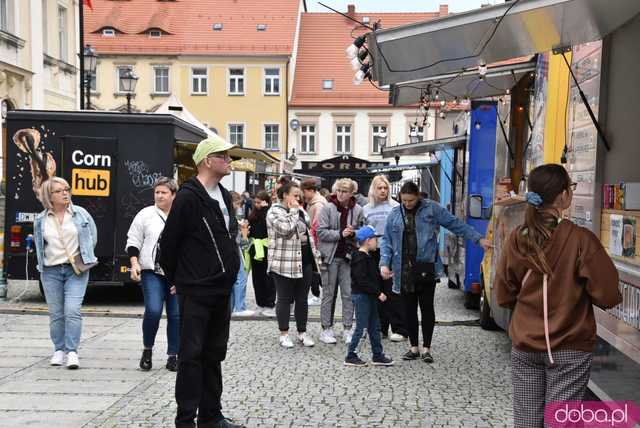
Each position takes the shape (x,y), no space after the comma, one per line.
(265,385)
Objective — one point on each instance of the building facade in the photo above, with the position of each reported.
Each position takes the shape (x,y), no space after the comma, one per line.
(227,61)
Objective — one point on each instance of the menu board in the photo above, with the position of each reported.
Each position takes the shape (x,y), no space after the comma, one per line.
(537,113)
(582,134)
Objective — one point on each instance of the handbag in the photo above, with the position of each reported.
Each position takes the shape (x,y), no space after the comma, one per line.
(78,265)
(316,283)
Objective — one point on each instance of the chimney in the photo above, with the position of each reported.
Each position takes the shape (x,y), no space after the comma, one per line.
(444,9)
(351,10)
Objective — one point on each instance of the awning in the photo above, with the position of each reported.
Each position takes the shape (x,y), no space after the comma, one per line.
(425,147)
(496,82)
(402,167)
(423,50)
(256,154)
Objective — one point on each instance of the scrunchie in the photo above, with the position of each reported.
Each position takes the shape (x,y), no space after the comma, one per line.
(533,198)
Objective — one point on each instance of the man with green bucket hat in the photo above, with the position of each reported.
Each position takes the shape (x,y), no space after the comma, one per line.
(199,255)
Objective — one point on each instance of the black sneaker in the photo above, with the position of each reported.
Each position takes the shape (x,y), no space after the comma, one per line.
(227,423)
(145,360)
(382,361)
(427,358)
(172,363)
(409,356)
(354,361)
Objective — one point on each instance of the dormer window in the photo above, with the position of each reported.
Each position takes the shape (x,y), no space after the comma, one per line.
(155,34)
(217,26)
(261,27)
(108,32)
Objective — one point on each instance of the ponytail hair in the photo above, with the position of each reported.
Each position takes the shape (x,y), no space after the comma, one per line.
(545,184)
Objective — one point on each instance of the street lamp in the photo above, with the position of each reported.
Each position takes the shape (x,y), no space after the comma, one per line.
(90,61)
(382,141)
(292,157)
(129,81)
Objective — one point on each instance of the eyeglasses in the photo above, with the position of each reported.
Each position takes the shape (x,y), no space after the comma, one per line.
(573,186)
(65,189)
(224,156)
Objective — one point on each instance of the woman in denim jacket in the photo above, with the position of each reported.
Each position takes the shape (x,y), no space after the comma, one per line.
(65,236)
(408,254)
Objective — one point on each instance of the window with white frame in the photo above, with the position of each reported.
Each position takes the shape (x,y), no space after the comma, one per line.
(416,133)
(108,32)
(327,84)
(63,45)
(6,15)
(122,71)
(343,139)
(379,135)
(155,34)
(161,80)
(271,136)
(236,81)
(308,139)
(45,27)
(94,82)
(199,80)
(272,81)
(236,134)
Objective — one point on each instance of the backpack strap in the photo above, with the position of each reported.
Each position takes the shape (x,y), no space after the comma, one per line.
(545,309)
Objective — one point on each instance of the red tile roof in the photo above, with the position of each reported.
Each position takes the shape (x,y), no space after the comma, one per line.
(189,24)
(321,56)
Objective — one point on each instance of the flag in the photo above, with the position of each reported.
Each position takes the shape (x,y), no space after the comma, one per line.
(88,3)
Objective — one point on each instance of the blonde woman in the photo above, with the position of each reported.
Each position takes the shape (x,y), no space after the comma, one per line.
(375,214)
(65,236)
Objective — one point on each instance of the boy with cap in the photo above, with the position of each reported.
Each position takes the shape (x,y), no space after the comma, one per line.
(365,291)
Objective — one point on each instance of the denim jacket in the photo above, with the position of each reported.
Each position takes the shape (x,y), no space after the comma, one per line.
(87,235)
(429,217)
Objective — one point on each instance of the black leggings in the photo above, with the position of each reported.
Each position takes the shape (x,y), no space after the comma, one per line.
(262,283)
(290,290)
(424,297)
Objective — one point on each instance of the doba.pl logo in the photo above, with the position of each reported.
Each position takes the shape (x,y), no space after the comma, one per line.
(596,414)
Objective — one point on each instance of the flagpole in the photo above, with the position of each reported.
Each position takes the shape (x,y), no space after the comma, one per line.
(81,55)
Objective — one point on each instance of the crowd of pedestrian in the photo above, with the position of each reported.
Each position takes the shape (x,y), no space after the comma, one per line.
(193,249)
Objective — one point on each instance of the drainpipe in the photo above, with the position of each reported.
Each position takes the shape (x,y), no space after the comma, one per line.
(286,120)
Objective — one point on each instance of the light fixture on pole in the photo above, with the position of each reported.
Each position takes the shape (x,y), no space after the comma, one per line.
(292,157)
(354,48)
(129,81)
(414,138)
(382,141)
(90,61)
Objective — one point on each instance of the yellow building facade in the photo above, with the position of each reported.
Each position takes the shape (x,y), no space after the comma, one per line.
(243,98)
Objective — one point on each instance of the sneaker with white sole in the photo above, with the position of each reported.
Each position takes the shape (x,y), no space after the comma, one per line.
(306,340)
(285,341)
(314,301)
(73,362)
(245,313)
(269,312)
(327,336)
(57,359)
(347,335)
(395,337)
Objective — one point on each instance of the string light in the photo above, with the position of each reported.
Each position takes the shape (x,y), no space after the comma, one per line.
(354,48)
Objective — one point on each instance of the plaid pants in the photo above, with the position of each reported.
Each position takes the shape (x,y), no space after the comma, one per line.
(536,382)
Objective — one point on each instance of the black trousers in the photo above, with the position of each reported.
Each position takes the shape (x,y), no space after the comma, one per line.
(262,283)
(423,297)
(292,290)
(391,311)
(204,332)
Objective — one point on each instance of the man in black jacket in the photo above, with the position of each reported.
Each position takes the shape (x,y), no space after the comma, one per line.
(199,255)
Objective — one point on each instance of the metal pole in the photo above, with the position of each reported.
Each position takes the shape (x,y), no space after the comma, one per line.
(81,33)
(128,102)
(88,83)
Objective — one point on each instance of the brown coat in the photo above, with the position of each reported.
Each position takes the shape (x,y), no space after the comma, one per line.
(583,275)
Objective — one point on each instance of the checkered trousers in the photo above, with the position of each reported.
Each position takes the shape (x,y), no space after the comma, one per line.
(285,252)
(536,382)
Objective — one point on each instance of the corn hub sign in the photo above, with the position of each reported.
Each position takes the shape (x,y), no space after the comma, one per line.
(86,179)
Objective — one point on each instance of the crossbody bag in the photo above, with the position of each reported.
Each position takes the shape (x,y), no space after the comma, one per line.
(78,265)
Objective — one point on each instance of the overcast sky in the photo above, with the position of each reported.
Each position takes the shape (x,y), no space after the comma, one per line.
(398,5)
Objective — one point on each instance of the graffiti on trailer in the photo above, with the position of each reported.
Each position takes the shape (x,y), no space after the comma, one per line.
(132,203)
(141,177)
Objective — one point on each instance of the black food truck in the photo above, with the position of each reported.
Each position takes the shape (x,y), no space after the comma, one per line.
(111,161)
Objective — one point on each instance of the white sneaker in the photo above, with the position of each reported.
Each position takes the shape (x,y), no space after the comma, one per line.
(245,313)
(395,337)
(268,312)
(57,359)
(327,336)
(285,341)
(306,340)
(314,301)
(347,335)
(72,360)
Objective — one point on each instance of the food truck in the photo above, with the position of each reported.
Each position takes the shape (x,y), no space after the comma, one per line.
(111,161)
(584,116)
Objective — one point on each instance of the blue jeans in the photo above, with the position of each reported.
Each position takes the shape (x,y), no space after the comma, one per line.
(156,292)
(240,290)
(366,309)
(64,292)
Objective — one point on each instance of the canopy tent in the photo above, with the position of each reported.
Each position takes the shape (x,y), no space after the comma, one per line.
(513,29)
(424,146)
(499,79)
(173,106)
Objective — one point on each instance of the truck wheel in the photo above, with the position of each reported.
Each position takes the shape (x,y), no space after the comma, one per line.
(471,301)
(486,321)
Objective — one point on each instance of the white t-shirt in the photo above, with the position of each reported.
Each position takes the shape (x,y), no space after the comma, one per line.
(216,194)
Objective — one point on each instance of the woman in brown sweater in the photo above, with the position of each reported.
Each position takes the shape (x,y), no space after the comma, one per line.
(551,273)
